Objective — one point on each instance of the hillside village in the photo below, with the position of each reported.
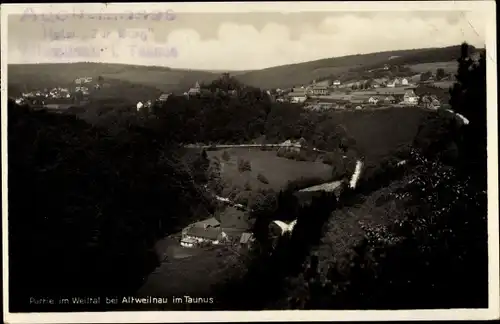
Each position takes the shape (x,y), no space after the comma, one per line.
(366,93)
(371,89)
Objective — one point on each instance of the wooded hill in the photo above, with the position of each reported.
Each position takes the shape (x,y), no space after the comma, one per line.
(179,80)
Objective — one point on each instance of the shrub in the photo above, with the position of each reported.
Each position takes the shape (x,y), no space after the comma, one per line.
(247,186)
(262,178)
(244,165)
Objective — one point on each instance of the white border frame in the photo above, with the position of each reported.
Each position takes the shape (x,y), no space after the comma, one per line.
(486,7)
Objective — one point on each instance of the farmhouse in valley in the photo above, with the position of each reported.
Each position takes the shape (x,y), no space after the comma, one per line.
(203,232)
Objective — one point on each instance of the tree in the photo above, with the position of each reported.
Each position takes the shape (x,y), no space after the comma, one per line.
(468,97)
(92,220)
(425,76)
(440,74)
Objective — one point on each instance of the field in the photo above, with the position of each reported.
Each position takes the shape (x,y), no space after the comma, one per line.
(448,67)
(444,84)
(277,170)
(393,91)
(380,131)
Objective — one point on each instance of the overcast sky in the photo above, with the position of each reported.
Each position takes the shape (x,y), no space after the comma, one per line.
(236,41)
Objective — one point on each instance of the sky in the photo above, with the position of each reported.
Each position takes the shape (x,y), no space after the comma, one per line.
(233,41)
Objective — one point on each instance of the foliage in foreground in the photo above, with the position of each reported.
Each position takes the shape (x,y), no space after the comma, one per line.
(86,208)
(433,256)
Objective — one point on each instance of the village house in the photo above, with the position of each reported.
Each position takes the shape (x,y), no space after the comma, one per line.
(196,236)
(246,239)
(404,81)
(83,90)
(194,91)
(379,82)
(394,83)
(203,232)
(298,95)
(164,97)
(410,98)
(320,90)
(83,80)
(139,106)
(373,100)
(389,100)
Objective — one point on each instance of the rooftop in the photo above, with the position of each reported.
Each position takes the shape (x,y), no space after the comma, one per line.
(246,237)
(210,222)
(209,233)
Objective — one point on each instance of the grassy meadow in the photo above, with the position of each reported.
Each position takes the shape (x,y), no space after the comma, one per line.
(448,67)
(277,170)
(378,133)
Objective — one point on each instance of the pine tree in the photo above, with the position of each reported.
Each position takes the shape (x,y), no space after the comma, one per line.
(468,98)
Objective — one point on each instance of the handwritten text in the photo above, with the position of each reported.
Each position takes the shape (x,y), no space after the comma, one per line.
(89,51)
(29,14)
(56,34)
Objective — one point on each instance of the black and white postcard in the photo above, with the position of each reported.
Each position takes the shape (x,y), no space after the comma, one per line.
(256,161)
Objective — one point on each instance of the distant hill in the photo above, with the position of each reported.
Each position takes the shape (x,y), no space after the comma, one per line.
(39,76)
(179,80)
(296,74)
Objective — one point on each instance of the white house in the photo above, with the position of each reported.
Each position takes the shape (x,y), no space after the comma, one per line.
(410,98)
(336,83)
(198,235)
(164,96)
(298,99)
(404,81)
(298,95)
(196,90)
(373,100)
(139,105)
